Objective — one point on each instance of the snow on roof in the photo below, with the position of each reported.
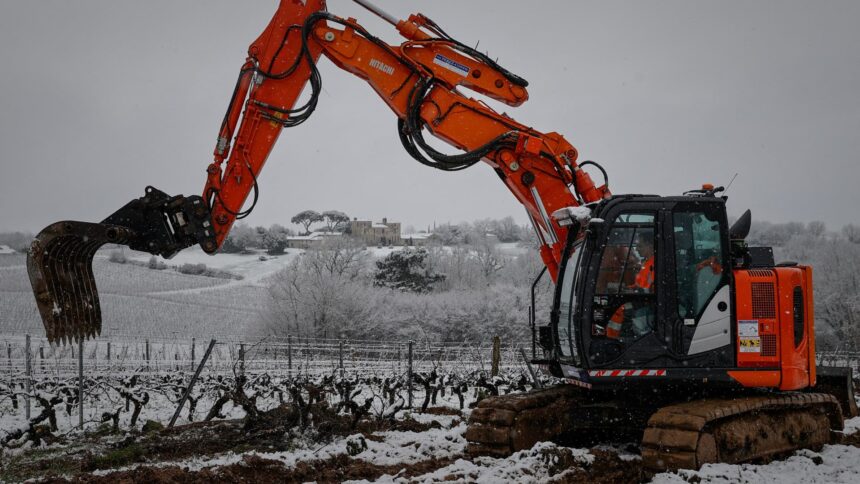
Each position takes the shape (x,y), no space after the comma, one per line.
(5,249)
(418,236)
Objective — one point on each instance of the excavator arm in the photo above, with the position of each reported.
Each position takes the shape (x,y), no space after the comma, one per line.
(422,80)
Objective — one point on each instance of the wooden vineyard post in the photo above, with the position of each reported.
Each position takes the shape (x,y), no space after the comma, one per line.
(146,347)
(81,383)
(289,356)
(340,356)
(497,356)
(193,347)
(191,384)
(241,358)
(409,375)
(11,370)
(29,375)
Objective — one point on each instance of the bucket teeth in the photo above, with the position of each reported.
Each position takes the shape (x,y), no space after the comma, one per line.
(60,265)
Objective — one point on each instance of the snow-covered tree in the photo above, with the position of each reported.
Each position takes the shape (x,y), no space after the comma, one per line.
(275,239)
(323,293)
(406,270)
(816,228)
(852,233)
(507,230)
(241,238)
(335,221)
(306,218)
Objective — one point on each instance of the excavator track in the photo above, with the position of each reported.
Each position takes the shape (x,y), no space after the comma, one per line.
(676,435)
(735,430)
(502,425)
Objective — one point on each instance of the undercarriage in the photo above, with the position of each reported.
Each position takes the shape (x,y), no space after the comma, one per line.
(684,430)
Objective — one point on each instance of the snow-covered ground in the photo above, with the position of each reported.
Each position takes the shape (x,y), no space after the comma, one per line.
(542,463)
(833,464)
(252,268)
(441,451)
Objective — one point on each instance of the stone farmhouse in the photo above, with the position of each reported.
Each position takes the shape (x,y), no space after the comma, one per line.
(384,233)
(372,234)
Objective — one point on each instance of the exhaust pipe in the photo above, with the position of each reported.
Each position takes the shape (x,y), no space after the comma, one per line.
(60,260)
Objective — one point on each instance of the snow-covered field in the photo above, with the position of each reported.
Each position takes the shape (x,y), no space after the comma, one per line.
(159,303)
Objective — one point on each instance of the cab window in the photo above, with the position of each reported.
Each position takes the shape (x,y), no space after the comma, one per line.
(624,305)
(567,304)
(698,260)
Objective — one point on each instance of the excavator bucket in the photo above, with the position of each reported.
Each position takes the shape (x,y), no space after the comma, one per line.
(60,261)
(60,264)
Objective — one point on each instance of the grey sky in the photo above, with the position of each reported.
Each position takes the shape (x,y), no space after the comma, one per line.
(101,98)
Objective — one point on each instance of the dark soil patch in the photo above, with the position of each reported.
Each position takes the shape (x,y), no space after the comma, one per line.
(408,424)
(852,440)
(443,411)
(203,438)
(255,469)
(607,468)
(267,434)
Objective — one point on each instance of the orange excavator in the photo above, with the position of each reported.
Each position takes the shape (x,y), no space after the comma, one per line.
(665,323)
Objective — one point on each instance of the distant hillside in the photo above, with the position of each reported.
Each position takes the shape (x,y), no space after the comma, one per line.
(142,301)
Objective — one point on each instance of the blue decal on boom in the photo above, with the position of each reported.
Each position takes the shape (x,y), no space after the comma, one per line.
(451,65)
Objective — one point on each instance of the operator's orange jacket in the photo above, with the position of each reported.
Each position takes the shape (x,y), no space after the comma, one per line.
(644,280)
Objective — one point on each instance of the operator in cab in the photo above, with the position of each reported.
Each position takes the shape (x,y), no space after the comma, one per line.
(643,283)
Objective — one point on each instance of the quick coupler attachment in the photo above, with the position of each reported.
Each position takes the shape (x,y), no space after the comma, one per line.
(60,261)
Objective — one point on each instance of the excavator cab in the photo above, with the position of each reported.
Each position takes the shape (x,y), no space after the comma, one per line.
(637,285)
(653,270)
(663,288)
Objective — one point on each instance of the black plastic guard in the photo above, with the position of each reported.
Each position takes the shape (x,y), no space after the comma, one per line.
(60,261)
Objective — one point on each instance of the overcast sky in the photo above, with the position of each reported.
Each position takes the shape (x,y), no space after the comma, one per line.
(100,98)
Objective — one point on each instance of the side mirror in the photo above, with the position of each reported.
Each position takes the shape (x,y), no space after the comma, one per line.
(741,228)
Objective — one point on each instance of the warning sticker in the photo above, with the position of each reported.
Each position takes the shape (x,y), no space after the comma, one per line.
(451,65)
(750,345)
(748,328)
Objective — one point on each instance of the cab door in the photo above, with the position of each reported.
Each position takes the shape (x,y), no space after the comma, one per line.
(699,292)
(622,305)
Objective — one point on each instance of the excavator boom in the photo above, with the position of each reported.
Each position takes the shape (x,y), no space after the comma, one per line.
(422,81)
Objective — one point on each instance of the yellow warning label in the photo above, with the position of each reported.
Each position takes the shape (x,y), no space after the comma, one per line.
(750,345)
